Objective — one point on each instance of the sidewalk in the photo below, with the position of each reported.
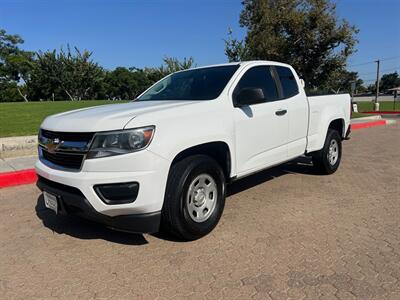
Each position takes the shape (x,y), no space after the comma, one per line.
(17,170)
(17,163)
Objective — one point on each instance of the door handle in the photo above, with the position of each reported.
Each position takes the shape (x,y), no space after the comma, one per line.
(281,112)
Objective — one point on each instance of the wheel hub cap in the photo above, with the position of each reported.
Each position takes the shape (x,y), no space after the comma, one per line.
(201,198)
(333,153)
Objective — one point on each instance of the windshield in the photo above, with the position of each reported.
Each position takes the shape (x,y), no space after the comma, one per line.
(197,84)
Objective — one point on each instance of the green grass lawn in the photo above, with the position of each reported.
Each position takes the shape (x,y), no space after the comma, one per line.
(383,106)
(18,119)
(358,115)
(369,106)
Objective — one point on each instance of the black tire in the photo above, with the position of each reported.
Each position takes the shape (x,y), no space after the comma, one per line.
(175,216)
(320,158)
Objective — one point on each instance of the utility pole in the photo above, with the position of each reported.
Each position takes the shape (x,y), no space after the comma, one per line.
(376,106)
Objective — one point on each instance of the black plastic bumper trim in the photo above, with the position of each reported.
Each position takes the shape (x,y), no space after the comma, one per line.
(348,132)
(71,201)
(117,193)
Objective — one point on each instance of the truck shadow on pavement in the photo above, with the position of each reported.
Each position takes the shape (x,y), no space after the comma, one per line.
(301,165)
(83,229)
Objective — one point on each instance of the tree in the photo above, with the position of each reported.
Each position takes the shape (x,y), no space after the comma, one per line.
(15,67)
(9,92)
(304,33)
(8,46)
(21,66)
(235,50)
(123,83)
(172,64)
(66,74)
(386,82)
(389,81)
(341,81)
(63,74)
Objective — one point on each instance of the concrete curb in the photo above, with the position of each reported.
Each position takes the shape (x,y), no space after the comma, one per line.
(18,146)
(388,122)
(17,178)
(368,118)
(382,112)
(357,126)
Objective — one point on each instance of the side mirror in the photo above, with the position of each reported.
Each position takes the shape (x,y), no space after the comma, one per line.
(249,96)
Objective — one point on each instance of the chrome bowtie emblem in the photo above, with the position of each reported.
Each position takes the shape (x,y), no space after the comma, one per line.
(52,145)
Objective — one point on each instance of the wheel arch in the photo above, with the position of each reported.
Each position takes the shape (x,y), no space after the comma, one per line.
(338,125)
(217,150)
(316,141)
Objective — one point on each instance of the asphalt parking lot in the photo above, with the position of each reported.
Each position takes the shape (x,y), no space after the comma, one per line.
(285,233)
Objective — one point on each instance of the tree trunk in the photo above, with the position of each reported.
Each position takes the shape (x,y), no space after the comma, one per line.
(69,95)
(22,95)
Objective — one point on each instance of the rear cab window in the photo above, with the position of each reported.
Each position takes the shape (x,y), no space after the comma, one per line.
(288,82)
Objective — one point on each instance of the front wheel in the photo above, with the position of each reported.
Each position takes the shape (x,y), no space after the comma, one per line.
(194,198)
(327,160)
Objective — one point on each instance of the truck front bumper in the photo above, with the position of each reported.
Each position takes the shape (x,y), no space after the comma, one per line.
(77,192)
(71,201)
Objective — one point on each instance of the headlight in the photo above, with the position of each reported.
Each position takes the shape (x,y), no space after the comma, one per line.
(120,142)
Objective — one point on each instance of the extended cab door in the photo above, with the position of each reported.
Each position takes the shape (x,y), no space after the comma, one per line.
(261,129)
(297,104)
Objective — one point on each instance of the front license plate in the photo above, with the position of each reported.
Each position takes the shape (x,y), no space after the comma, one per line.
(50,201)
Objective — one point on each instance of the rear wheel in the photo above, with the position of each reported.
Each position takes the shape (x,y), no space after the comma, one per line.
(327,160)
(195,197)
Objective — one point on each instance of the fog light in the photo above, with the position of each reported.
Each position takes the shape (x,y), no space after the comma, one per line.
(117,193)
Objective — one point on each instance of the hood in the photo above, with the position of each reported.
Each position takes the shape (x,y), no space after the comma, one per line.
(105,117)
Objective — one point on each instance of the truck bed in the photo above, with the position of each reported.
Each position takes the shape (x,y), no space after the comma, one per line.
(322,109)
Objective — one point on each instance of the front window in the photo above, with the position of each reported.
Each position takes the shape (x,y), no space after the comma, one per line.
(197,84)
(259,77)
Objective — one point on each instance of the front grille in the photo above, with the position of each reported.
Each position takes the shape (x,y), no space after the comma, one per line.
(68,136)
(68,152)
(65,160)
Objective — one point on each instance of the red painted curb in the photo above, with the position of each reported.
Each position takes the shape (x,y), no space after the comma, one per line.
(382,112)
(18,177)
(368,124)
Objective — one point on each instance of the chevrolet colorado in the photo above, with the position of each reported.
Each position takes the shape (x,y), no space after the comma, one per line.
(163,160)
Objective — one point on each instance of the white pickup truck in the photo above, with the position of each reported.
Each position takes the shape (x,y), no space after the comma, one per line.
(162,162)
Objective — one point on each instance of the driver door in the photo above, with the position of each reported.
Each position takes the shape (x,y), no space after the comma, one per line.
(262,128)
